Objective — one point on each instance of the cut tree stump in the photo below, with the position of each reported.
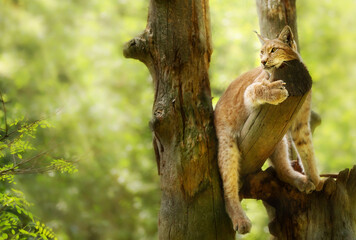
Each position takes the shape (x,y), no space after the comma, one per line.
(328,214)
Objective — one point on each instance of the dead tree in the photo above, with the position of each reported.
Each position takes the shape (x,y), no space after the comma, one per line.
(176,48)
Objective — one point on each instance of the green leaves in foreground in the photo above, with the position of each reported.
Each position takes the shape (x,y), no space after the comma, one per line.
(16,220)
(63,166)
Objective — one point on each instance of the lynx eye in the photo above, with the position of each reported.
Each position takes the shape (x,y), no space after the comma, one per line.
(273,50)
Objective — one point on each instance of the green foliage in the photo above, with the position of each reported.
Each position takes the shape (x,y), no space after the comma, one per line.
(4,170)
(63,166)
(16,221)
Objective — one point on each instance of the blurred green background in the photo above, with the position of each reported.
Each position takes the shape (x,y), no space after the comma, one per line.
(62,60)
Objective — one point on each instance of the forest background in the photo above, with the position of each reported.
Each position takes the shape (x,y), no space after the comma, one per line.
(62,61)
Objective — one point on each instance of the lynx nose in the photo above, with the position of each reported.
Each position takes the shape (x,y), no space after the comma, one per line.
(263,61)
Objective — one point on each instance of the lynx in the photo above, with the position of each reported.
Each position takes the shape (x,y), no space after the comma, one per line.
(242,97)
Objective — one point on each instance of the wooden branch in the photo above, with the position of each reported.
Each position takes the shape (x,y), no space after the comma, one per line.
(139,48)
(267,125)
(5,116)
(265,185)
(331,175)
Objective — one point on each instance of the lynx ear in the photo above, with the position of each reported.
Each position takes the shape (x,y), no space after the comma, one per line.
(262,39)
(287,37)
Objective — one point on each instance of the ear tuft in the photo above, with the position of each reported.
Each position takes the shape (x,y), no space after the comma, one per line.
(287,37)
(262,39)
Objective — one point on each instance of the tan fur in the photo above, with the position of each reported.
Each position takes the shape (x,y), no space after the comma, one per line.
(243,96)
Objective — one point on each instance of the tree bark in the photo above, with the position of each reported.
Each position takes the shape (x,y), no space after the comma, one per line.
(274,15)
(176,48)
(328,214)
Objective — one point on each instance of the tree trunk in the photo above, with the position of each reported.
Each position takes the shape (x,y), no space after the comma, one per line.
(274,15)
(176,48)
(328,214)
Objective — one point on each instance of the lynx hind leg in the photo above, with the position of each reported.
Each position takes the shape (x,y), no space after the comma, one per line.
(285,172)
(228,157)
(265,92)
(302,139)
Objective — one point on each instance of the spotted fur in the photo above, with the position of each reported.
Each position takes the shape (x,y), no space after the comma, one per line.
(243,96)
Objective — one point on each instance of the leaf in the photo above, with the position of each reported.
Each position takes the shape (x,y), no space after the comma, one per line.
(23,231)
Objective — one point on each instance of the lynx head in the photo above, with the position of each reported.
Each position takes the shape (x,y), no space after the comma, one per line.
(276,51)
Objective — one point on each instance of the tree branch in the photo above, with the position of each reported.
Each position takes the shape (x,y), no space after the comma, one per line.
(5,117)
(138,47)
(331,175)
(14,170)
(266,186)
(25,126)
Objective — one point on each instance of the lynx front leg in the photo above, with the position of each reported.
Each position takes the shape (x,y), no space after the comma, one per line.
(228,158)
(265,92)
(285,172)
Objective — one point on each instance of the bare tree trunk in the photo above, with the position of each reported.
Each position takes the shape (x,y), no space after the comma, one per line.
(274,15)
(176,48)
(329,214)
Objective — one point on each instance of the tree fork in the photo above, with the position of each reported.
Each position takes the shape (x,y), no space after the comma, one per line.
(176,48)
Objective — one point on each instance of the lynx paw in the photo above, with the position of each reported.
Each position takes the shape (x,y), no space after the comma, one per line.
(242,224)
(305,185)
(319,184)
(276,92)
